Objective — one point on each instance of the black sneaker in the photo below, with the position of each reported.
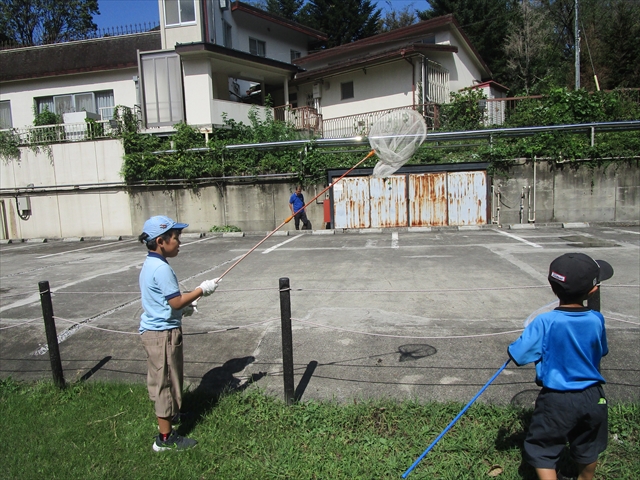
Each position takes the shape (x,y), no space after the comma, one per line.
(173,442)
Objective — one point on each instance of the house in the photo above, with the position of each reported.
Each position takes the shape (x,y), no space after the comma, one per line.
(410,67)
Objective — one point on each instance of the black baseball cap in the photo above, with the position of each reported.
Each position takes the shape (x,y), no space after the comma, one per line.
(577,273)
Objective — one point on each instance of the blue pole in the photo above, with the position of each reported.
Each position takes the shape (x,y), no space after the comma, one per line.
(424,454)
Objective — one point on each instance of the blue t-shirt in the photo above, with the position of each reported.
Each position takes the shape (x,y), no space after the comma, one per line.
(566,345)
(297,201)
(158,285)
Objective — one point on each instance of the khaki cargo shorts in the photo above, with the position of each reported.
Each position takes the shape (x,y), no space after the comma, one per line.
(165,365)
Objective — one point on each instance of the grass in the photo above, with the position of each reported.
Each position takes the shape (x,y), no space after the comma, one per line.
(105,430)
(225,228)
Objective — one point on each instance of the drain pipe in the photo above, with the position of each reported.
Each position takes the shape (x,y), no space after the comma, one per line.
(522,205)
(532,218)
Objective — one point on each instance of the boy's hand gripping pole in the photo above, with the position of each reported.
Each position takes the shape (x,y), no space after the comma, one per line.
(424,454)
(369,155)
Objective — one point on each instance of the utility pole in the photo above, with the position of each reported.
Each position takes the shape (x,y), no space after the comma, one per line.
(577,46)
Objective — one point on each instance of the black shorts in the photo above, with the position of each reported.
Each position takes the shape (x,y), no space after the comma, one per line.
(578,418)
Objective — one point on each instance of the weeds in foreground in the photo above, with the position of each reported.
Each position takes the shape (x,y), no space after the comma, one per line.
(105,430)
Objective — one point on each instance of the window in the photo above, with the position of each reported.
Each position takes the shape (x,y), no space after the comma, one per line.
(5,114)
(226,35)
(294,55)
(431,39)
(293,100)
(179,12)
(257,47)
(162,87)
(346,90)
(95,102)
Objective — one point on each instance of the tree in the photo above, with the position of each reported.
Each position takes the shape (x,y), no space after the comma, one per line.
(38,22)
(289,9)
(343,21)
(397,19)
(486,23)
(527,47)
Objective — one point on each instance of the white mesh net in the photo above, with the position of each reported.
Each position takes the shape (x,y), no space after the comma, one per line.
(395,137)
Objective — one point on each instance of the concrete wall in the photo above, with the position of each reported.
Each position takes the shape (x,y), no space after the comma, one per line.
(565,194)
(80,194)
(79,208)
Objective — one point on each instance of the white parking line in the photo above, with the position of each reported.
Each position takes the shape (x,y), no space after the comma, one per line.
(394,240)
(111,244)
(269,250)
(627,231)
(520,239)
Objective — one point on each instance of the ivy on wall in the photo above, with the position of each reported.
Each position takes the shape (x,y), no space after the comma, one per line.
(465,112)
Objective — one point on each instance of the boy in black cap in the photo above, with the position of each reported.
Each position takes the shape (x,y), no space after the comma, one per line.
(567,345)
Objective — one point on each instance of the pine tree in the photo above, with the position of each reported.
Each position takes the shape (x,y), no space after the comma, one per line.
(486,23)
(343,21)
(288,9)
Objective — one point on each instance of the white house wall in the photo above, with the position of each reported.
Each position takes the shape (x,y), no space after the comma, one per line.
(22,94)
(180,33)
(279,41)
(198,91)
(384,86)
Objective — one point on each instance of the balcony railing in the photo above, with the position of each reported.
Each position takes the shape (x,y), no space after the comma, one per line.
(301,118)
(64,132)
(360,124)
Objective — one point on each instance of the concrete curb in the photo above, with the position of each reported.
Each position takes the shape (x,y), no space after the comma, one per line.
(464,228)
(418,229)
(522,226)
(279,233)
(370,230)
(73,239)
(575,225)
(111,238)
(232,234)
(36,240)
(323,232)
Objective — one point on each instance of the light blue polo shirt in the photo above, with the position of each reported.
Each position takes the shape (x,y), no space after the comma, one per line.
(158,285)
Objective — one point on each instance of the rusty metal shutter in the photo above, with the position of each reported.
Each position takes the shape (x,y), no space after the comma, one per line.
(428,199)
(351,203)
(388,201)
(467,193)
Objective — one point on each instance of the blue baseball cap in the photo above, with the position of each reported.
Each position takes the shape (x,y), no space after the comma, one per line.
(156,226)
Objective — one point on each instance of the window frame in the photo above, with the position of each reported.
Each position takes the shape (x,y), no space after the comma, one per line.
(344,85)
(7,103)
(227,38)
(294,55)
(258,43)
(50,100)
(180,21)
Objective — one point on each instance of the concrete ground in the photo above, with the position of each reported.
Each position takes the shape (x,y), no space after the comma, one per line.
(379,314)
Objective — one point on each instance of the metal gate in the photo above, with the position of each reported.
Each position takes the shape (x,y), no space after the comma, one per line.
(416,200)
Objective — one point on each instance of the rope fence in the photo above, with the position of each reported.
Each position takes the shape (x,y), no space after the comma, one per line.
(284,290)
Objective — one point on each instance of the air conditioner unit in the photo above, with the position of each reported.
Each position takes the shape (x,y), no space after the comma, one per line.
(317,91)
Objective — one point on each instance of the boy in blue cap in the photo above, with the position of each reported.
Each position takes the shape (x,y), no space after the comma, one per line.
(567,345)
(161,325)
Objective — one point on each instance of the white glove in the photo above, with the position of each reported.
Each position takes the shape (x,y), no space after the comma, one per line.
(209,286)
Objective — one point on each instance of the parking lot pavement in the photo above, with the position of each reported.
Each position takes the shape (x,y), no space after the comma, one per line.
(397,314)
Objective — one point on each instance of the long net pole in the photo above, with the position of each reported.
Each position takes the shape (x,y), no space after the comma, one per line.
(369,155)
(415,464)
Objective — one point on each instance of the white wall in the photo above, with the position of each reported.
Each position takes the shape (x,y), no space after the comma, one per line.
(180,33)
(22,93)
(68,214)
(198,91)
(279,40)
(381,87)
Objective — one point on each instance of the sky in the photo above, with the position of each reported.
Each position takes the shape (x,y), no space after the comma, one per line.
(118,13)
